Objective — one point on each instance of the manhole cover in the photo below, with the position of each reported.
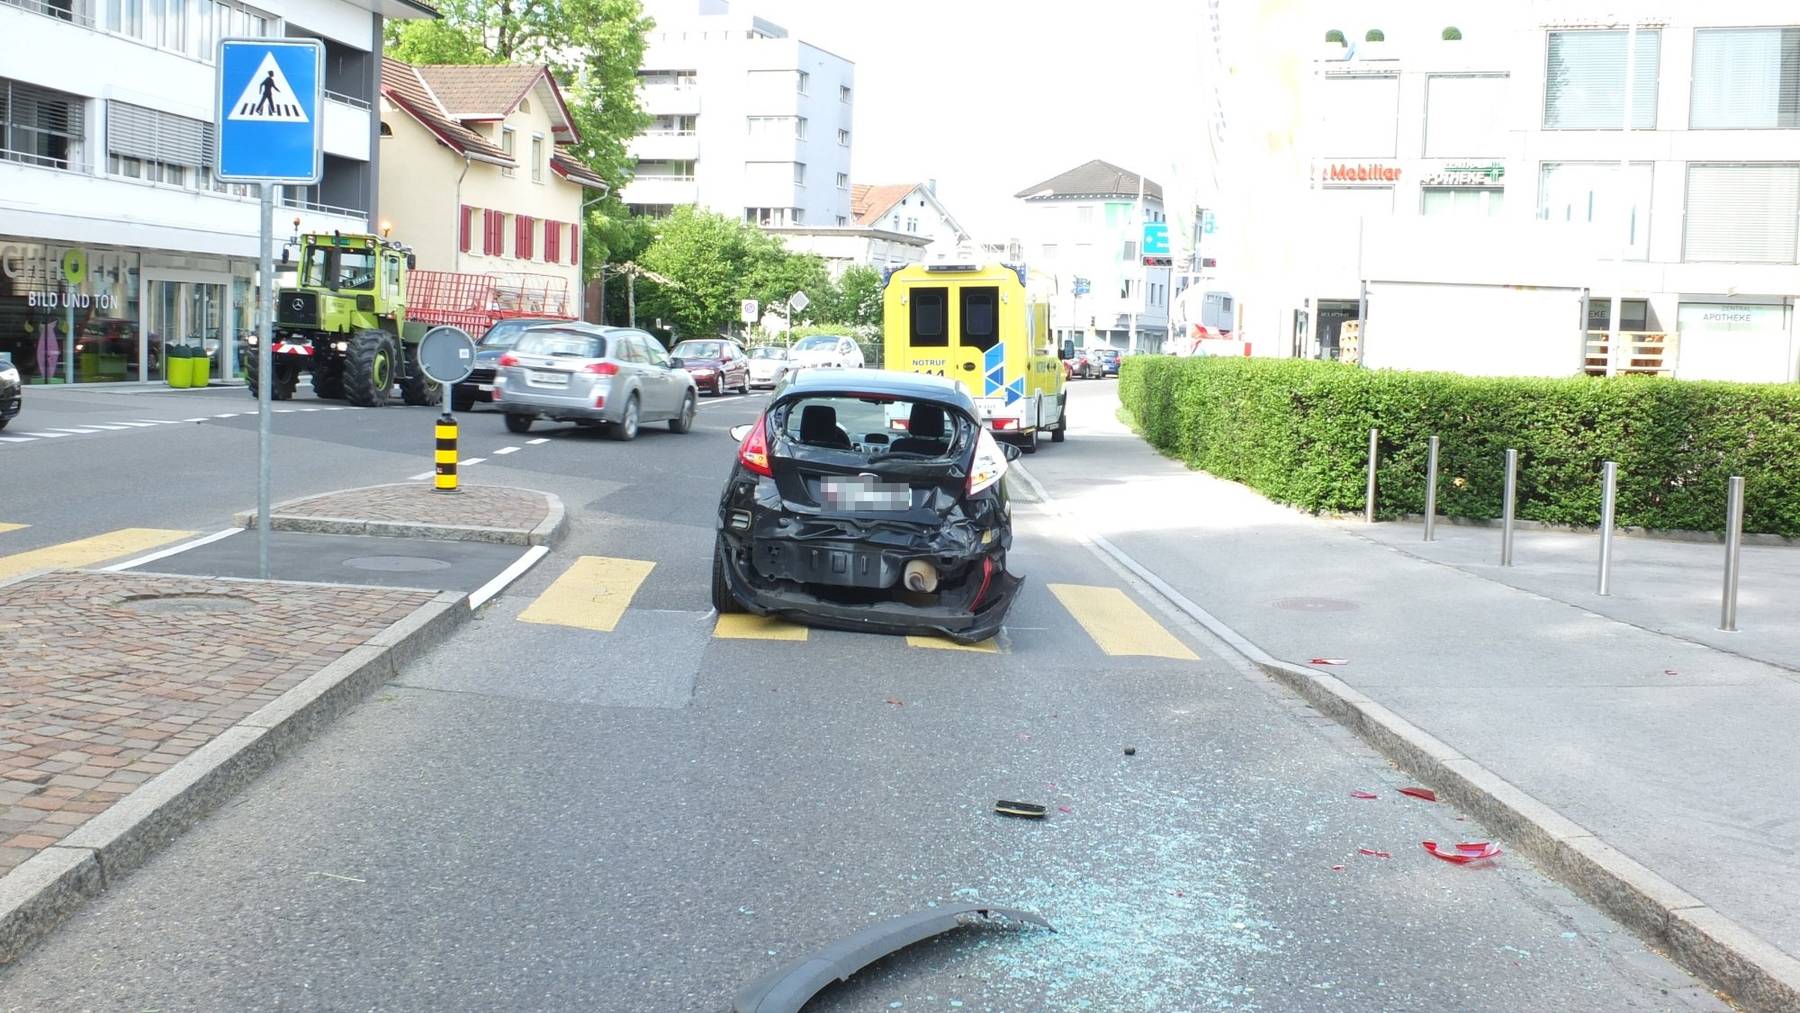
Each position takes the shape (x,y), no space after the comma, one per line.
(162,604)
(396,564)
(1315,605)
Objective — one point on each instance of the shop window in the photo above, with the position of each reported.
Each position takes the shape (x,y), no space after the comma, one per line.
(1461,201)
(1584,80)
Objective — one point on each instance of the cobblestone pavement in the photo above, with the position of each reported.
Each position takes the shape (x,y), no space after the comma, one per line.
(107,679)
(484,506)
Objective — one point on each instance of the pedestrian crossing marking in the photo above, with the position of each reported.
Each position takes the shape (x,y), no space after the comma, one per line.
(1119,625)
(592,594)
(5,527)
(741,626)
(88,551)
(944,644)
(267,97)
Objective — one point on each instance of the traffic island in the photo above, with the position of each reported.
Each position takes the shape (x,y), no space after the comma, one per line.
(133,703)
(473,513)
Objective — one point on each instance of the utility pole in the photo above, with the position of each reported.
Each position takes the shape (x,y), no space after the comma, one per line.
(1625,209)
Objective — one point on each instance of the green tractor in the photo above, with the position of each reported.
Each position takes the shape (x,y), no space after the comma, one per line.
(345,322)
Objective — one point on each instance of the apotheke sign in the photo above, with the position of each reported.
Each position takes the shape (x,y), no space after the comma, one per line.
(1493,174)
(1362,174)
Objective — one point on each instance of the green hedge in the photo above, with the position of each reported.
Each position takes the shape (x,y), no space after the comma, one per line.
(1298,431)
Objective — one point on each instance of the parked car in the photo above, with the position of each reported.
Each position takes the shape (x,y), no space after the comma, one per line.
(768,365)
(1081,367)
(1106,360)
(479,387)
(718,364)
(612,376)
(831,351)
(868,500)
(12,392)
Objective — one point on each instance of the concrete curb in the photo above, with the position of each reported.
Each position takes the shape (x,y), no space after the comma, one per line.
(1726,955)
(549,531)
(45,889)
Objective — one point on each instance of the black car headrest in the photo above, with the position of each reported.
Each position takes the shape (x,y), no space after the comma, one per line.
(818,425)
(927,422)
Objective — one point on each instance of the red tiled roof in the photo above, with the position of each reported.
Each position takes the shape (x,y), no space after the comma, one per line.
(869,203)
(574,170)
(402,85)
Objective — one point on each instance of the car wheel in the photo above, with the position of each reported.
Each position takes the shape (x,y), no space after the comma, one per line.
(722,599)
(461,402)
(685,421)
(3,423)
(626,428)
(1062,423)
(1028,445)
(518,422)
(745,387)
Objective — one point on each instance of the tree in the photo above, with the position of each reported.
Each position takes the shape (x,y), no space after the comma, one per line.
(857,300)
(775,273)
(592,47)
(707,256)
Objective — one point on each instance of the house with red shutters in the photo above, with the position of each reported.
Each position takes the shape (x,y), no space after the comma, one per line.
(476,174)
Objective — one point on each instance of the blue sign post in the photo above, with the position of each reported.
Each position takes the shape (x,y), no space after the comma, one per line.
(267,124)
(1156,242)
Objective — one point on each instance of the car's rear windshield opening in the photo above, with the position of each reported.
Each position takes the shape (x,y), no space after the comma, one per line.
(563,344)
(700,349)
(874,427)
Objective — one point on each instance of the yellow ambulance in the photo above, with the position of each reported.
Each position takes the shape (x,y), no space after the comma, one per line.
(986,326)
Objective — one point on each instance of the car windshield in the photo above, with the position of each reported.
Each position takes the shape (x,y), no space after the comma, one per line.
(875,426)
(700,349)
(768,352)
(817,343)
(562,344)
(355,269)
(507,333)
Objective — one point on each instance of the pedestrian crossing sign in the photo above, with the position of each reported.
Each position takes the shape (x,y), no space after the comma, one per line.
(267,120)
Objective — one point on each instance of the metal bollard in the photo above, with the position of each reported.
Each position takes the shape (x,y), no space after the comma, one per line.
(1508,506)
(1734,547)
(1431,491)
(1609,501)
(1369,493)
(446,453)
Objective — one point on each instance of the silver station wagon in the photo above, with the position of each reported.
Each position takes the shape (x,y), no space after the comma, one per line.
(588,375)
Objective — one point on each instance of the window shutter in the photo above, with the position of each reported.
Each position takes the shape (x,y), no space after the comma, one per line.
(552,241)
(464,225)
(137,132)
(1743,213)
(574,243)
(1746,78)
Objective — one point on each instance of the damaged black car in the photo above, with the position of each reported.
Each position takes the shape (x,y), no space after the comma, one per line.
(868,500)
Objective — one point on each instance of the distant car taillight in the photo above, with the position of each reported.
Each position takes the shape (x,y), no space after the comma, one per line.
(602,368)
(754,454)
(508,359)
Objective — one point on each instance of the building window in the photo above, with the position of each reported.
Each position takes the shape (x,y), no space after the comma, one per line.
(798,215)
(1129,253)
(799,173)
(1742,213)
(672,170)
(844,93)
(800,128)
(844,138)
(189,27)
(1049,251)
(1461,201)
(1585,80)
(1746,79)
(41,127)
(777,126)
(672,126)
(912,225)
(1084,215)
(1464,116)
(537,158)
(509,145)
(677,79)
(1591,192)
(1357,117)
(841,220)
(843,181)
(158,147)
(801,80)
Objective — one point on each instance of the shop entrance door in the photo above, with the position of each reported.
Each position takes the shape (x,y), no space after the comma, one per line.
(188,313)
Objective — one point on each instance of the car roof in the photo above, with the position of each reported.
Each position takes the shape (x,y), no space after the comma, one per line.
(881,382)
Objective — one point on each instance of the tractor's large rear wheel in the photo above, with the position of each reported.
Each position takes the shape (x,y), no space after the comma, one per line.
(328,378)
(369,368)
(282,381)
(416,388)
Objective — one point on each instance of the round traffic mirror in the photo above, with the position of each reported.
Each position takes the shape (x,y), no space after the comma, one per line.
(447,354)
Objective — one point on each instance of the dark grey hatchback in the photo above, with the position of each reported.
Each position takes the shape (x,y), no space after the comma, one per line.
(868,500)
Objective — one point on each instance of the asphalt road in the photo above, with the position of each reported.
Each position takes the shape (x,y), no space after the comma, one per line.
(537,817)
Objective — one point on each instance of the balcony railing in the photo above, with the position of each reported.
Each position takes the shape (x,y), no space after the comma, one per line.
(80,12)
(670,133)
(324,209)
(1643,352)
(656,178)
(349,100)
(74,161)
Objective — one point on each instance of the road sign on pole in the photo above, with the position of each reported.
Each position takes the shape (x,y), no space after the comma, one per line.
(267,128)
(748,311)
(799,301)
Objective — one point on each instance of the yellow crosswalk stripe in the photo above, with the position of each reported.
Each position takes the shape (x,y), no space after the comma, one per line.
(739,626)
(5,527)
(88,551)
(1118,624)
(592,594)
(942,644)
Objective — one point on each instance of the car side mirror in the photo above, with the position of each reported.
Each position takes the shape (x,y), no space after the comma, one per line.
(1068,350)
(1011,452)
(676,362)
(739,432)
(412,262)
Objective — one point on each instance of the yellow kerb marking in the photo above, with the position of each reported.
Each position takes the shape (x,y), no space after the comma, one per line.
(942,644)
(5,527)
(592,594)
(1118,624)
(740,626)
(88,551)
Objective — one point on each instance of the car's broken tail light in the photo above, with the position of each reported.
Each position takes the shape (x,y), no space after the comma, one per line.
(988,466)
(754,454)
(508,359)
(599,400)
(602,368)
(987,577)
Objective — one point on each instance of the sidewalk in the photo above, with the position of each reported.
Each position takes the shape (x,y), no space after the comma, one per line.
(1625,715)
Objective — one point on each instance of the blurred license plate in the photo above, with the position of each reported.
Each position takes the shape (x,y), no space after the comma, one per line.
(544,379)
(864,493)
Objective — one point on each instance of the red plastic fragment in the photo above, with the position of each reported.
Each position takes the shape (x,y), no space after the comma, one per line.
(1329,661)
(1425,793)
(896,701)
(1064,809)
(1374,854)
(1670,671)
(1472,851)
(1359,793)
(1337,868)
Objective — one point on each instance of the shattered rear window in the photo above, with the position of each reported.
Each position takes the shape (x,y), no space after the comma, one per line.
(873,426)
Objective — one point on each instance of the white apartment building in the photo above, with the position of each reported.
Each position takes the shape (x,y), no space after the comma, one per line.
(1495,159)
(910,208)
(1083,229)
(115,238)
(842,247)
(747,121)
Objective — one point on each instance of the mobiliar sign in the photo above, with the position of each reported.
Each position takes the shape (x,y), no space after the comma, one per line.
(1373,173)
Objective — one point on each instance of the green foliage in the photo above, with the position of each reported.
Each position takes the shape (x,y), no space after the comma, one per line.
(1298,431)
(592,47)
(773,274)
(1375,35)
(1452,34)
(1335,35)
(856,298)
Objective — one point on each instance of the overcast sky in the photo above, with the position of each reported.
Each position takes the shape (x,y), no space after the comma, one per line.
(991,96)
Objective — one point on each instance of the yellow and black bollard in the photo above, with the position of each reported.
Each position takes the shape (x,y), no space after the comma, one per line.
(446,453)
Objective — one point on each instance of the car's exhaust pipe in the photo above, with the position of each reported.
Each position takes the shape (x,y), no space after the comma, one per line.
(920,576)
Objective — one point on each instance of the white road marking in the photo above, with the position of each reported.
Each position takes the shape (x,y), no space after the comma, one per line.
(96,425)
(141,423)
(228,415)
(201,419)
(47,436)
(15,439)
(282,411)
(471,460)
(507,576)
(173,549)
(541,439)
(421,476)
(309,409)
(83,432)
(506,450)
